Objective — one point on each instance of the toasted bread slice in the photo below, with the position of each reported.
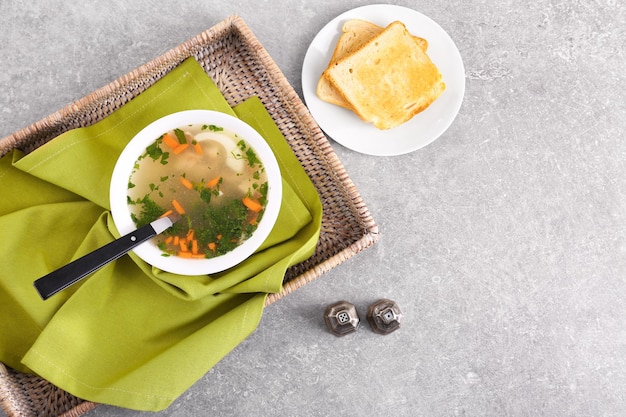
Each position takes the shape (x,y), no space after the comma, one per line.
(356,32)
(388,80)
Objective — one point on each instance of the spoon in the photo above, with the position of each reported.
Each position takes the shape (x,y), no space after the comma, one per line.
(73,272)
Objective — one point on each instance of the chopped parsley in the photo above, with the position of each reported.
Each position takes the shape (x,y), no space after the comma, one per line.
(225,226)
(247,153)
(212,128)
(180,135)
(155,152)
(148,212)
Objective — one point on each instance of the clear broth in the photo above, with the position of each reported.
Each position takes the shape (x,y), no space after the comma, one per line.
(212,177)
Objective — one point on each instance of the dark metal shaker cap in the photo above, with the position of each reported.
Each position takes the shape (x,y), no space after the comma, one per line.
(341,318)
(384,316)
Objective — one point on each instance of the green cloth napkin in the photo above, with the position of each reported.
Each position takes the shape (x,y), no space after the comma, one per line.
(131,335)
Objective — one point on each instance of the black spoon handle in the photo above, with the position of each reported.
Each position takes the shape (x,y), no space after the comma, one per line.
(73,272)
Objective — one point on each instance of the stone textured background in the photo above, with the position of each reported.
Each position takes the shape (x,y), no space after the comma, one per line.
(503,242)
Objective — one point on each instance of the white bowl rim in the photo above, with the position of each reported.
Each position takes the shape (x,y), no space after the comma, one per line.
(148,251)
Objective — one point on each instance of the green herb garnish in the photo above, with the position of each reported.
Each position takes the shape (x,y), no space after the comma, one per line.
(155,152)
(180,135)
(248,154)
(225,226)
(149,211)
(212,128)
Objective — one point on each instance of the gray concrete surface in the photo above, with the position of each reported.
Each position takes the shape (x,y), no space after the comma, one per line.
(504,241)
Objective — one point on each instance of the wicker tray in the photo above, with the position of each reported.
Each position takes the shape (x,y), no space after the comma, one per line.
(240,66)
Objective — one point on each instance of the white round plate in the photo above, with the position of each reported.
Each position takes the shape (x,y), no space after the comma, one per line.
(348,129)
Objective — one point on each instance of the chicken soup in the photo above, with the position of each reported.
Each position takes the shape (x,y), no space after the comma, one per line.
(210,176)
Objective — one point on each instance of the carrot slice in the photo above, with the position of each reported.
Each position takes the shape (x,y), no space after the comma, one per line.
(198,148)
(252,204)
(186,183)
(185,254)
(179,209)
(180,148)
(190,235)
(194,246)
(176,240)
(183,245)
(213,182)
(170,141)
(212,246)
(167,213)
(198,255)
(169,239)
